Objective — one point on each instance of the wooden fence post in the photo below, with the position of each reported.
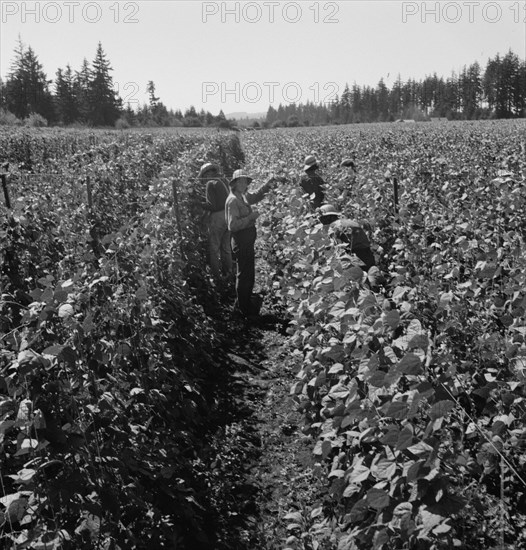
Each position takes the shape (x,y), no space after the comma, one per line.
(12,265)
(177,216)
(6,190)
(395,194)
(93,221)
(90,196)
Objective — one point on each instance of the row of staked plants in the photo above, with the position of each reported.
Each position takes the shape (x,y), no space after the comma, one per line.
(413,392)
(109,361)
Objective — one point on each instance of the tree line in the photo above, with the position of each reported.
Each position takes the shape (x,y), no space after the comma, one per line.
(86,96)
(499,91)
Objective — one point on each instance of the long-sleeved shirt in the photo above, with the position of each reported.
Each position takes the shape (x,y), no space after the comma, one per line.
(350,232)
(216,195)
(313,184)
(238,210)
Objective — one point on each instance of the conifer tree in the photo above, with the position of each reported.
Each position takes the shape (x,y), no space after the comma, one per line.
(2,95)
(150,88)
(510,81)
(272,115)
(27,87)
(395,99)
(104,104)
(129,115)
(346,105)
(66,104)
(470,91)
(356,99)
(81,90)
(382,95)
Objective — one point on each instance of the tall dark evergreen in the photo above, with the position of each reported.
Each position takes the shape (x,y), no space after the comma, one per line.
(159,113)
(27,87)
(513,99)
(520,90)
(426,95)
(272,115)
(2,94)
(346,105)
(335,109)
(66,103)
(382,100)
(452,99)
(192,113)
(504,86)
(104,103)
(356,101)
(150,88)
(395,99)
(130,115)
(81,90)
(470,88)
(490,83)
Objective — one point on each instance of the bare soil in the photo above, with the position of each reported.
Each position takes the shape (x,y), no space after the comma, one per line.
(264,466)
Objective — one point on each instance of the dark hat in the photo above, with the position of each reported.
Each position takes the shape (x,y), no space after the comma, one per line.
(328,210)
(328,214)
(207,168)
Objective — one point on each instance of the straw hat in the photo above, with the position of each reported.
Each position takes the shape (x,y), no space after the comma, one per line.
(239,174)
(310,162)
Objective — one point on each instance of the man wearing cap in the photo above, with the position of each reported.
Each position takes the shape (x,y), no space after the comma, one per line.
(312,183)
(348,163)
(349,232)
(241,221)
(218,235)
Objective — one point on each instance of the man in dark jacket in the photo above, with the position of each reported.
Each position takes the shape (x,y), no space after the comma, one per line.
(218,234)
(312,183)
(349,232)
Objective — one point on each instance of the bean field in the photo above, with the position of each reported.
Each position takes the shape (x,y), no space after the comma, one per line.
(114,342)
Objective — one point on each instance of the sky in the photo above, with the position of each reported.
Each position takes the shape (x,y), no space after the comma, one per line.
(244,56)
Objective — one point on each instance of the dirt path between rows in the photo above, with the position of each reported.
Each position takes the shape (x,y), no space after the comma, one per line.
(264,460)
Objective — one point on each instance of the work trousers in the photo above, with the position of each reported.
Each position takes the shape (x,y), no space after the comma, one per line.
(243,251)
(219,245)
(366,255)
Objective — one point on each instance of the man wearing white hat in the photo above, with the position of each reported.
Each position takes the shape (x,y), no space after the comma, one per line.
(241,221)
(218,235)
(312,183)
